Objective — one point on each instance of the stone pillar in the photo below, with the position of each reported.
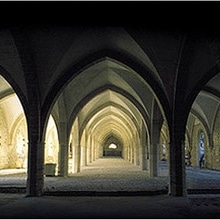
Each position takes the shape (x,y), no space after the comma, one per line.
(128,154)
(132,152)
(63,150)
(87,153)
(90,149)
(137,147)
(124,152)
(156,123)
(93,149)
(177,182)
(100,151)
(83,156)
(35,178)
(134,143)
(154,157)
(83,149)
(97,150)
(76,146)
(86,148)
(143,148)
(77,158)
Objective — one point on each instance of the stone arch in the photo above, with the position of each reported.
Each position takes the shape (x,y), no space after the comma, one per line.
(188,148)
(164,142)
(108,151)
(87,61)
(111,125)
(198,127)
(19,156)
(201,147)
(106,105)
(70,119)
(205,126)
(51,142)
(216,141)
(3,140)
(157,121)
(74,162)
(13,111)
(199,86)
(15,87)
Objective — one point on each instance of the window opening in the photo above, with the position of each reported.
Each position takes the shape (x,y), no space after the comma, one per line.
(201,150)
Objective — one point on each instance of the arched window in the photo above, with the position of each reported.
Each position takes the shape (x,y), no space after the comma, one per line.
(201,149)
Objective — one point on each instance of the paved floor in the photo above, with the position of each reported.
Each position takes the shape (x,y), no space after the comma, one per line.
(109,174)
(115,174)
(112,175)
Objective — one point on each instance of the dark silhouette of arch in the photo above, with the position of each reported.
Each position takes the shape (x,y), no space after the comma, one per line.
(89,60)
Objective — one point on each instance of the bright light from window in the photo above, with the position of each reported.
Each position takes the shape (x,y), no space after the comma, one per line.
(112,146)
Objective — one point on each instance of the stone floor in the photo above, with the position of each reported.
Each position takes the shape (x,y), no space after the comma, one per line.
(113,176)
(116,174)
(109,174)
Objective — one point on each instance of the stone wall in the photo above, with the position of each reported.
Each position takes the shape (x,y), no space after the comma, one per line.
(216,143)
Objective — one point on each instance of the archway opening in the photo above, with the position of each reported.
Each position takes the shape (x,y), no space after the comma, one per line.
(13,136)
(203,140)
(112,148)
(51,149)
(201,149)
(112,105)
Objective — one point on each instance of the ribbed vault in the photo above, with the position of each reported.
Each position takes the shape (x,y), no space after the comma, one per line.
(106,101)
(87,85)
(111,116)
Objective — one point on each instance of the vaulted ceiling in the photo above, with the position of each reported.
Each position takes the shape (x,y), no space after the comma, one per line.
(114,73)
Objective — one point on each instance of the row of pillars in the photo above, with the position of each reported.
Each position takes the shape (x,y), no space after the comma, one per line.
(177,185)
(35,180)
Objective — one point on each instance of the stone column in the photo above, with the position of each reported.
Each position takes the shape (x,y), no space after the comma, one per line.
(143,148)
(132,152)
(86,149)
(77,157)
(129,152)
(76,144)
(154,147)
(83,149)
(153,159)
(177,182)
(156,123)
(63,150)
(134,143)
(35,178)
(177,129)
(138,147)
(93,149)
(125,152)
(90,149)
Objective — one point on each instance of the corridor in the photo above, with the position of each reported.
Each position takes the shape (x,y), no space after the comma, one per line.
(111,176)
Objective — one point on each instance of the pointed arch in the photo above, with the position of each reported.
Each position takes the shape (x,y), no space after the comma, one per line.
(94,58)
